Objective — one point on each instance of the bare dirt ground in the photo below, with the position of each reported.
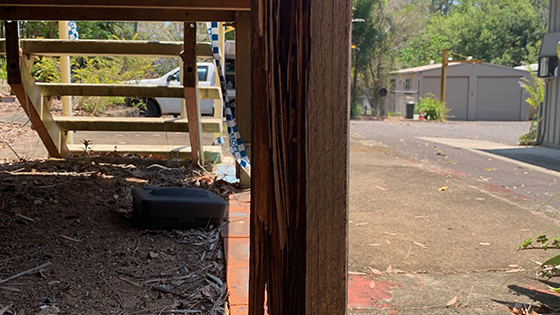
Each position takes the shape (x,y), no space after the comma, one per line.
(72,219)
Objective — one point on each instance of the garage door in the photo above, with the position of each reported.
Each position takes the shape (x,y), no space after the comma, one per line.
(498,98)
(456,94)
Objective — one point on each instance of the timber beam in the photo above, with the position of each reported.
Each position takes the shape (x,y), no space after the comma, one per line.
(122,10)
(29,96)
(88,47)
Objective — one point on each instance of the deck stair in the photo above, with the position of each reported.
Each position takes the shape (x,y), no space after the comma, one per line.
(54,130)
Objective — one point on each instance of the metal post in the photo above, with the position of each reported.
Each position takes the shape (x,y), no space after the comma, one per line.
(444,61)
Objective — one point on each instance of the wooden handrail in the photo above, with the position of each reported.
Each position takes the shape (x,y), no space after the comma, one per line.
(88,47)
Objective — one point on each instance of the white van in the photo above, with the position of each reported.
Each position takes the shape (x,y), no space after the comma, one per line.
(157,106)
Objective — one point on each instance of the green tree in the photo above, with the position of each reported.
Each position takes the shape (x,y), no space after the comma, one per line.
(86,29)
(503,32)
(422,49)
(372,47)
(441,6)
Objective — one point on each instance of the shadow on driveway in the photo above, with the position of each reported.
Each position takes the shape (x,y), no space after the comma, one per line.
(538,156)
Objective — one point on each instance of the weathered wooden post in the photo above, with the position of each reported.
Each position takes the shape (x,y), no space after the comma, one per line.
(190,83)
(300,84)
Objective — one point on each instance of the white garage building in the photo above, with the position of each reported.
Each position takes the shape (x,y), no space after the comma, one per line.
(473,91)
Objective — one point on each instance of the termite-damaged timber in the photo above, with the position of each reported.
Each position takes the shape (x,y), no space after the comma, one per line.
(299,200)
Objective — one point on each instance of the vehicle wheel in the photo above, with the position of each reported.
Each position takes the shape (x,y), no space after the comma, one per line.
(149,108)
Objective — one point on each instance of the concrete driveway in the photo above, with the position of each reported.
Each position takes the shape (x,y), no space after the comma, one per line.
(423,231)
(486,151)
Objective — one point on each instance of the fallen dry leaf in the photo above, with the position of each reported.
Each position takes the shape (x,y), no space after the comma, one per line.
(388,242)
(451,302)
(420,244)
(444,188)
(392,234)
(389,269)
(375,271)
(372,284)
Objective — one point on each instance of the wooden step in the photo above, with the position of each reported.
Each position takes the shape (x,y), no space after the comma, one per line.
(212,153)
(209,124)
(124,90)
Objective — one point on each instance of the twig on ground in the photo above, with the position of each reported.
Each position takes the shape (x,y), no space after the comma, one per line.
(409,250)
(10,289)
(71,239)
(469,298)
(26,218)
(10,146)
(165,290)
(25,272)
(133,283)
(137,246)
(5,309)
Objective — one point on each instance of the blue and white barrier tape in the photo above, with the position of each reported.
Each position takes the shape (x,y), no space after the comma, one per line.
(72,30)
(236,146)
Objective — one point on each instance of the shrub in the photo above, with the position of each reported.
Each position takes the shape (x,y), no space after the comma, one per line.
(535,89)
(96,70)
(433,108)
(551,266)
(46,69)
(356,109)
(109,70)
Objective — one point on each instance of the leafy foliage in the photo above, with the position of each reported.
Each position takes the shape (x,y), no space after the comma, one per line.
(432,107)
(108,71)
(373,56)
(422,49)
(503,32)
(46,69)
(356,109)
(550,267)
(535,88)
(86,29)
